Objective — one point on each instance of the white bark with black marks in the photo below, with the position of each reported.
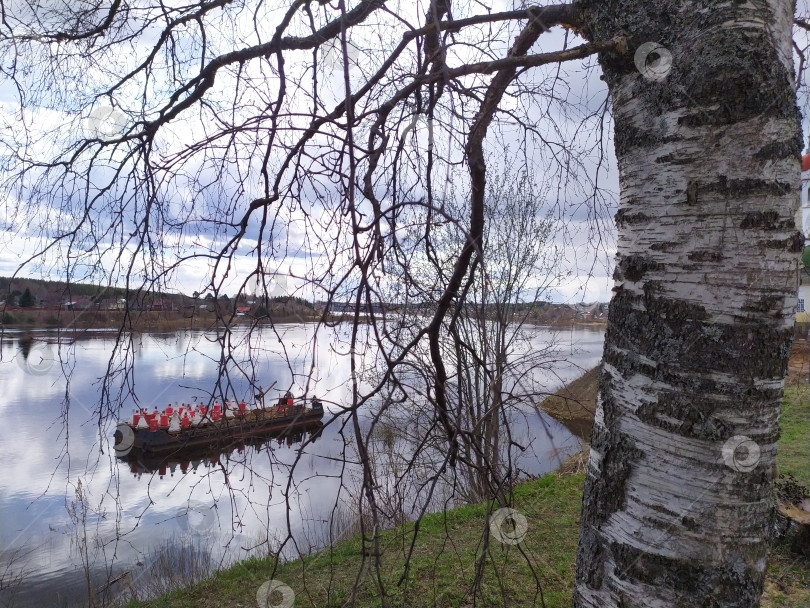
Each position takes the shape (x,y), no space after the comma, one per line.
(700,324)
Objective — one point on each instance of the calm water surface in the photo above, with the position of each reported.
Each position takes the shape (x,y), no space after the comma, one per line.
(61,481)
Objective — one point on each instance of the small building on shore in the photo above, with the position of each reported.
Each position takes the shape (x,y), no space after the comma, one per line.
(803,221)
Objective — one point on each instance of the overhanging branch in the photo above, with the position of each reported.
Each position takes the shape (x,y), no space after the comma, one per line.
(541,17)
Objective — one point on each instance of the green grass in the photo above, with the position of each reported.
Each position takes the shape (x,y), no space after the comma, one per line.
(442,566)
(788,581)
(793,454)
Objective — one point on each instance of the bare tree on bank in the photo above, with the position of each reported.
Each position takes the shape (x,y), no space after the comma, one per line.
(224,131)
(486,342)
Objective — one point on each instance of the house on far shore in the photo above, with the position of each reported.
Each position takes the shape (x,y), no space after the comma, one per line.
(114,304)
(803,220)
(803,303)
(82,303)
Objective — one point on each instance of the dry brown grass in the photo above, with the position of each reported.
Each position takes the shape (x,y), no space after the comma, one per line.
(574,405)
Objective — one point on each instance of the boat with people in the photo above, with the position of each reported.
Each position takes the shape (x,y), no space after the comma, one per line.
(190,425)
(204,458)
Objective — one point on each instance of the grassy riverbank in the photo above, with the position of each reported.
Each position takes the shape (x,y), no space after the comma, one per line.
(443,557)
(442,565)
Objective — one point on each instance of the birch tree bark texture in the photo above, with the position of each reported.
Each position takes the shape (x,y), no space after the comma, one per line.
(677,500)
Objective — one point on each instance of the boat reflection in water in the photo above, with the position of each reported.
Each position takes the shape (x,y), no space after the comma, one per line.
(188,436)
(191,459)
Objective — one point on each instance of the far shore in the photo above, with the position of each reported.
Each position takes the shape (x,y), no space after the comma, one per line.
(114,320)
(23,319)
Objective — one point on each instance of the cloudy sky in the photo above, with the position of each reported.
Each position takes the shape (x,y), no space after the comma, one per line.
(207,164)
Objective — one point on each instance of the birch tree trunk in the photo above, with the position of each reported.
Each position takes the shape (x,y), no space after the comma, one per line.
(677,498)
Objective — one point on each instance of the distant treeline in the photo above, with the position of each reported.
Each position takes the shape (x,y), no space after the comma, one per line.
(60,295)
(47,290)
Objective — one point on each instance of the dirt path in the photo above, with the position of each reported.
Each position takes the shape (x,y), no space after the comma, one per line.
(799,364)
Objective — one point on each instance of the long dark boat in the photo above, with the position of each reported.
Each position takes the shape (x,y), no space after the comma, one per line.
(180,428)
(190,459)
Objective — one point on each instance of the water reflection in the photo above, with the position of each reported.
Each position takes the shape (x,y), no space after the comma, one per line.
(59,437)
(191,458)
(25,343)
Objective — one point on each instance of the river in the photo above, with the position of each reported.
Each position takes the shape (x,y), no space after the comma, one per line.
(69,508)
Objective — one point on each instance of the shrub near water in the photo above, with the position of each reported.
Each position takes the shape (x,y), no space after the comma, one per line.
(174,564)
